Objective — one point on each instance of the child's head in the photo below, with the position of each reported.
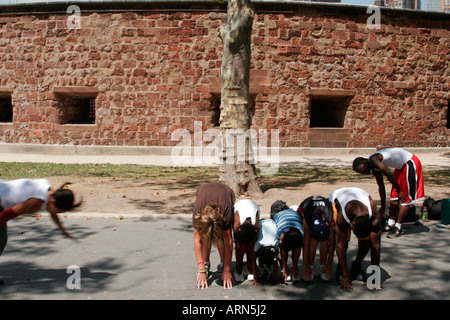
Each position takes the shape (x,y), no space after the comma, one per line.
(362,226)
(319,227)
(292,239)
(247,232)
(267,256)
(209,224)
(278,206)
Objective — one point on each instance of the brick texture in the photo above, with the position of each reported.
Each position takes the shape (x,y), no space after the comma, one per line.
(156,71)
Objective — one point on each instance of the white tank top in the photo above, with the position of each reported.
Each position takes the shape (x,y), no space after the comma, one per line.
(345,195)
(267,235)
(394,157)
(247,209)
(17,191)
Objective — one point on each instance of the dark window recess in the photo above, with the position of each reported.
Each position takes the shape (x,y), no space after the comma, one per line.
(328,112)
(6,109)
(448,114)
(215,109)
(78,111)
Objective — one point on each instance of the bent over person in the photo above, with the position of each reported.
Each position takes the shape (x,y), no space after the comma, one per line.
(213,219)
(355,210)
(246,229)
(407,182)
(25,196)
(318,228)
(290,237)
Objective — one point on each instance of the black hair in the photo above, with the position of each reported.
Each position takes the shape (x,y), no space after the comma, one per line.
(247,233)
(358,161)
(292,240)
(64,198)
(362,227)
(278,206)
(267,255)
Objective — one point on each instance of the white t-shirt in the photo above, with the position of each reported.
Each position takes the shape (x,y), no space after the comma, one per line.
(345,195)
(247,209)
(394,157)
(267,234)
(17,191)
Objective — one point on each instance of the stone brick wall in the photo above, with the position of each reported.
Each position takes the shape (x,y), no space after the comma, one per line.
(155,68)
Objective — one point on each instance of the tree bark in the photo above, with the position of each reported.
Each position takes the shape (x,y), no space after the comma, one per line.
(237,169)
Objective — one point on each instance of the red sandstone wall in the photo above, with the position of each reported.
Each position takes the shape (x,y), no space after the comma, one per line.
(158,71)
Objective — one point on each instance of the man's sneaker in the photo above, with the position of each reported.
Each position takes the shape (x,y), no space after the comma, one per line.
(388,228)
(220,267)
(394,233)
(323,274)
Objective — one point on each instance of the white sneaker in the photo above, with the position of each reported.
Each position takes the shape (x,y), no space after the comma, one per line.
(322,273)
(250,277)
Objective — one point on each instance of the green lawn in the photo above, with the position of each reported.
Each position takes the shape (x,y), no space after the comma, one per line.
(15,170)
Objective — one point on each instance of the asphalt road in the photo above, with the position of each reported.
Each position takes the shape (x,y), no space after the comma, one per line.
(153,259)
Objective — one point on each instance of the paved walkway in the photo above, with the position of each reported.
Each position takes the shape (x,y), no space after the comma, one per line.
(153,258)
(431,158)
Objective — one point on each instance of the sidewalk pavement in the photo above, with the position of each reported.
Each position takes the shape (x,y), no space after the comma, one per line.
(152,258)
(431,158)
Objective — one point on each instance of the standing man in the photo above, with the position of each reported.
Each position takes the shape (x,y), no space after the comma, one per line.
(355,210)
(407,182)
(213,220)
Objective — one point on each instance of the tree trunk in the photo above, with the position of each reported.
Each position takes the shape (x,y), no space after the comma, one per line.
(238,169)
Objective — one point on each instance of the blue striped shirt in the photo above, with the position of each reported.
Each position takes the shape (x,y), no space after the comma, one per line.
(288,219)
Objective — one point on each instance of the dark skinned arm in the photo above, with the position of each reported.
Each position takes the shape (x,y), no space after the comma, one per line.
(381,190)
(375,234)
(307,272)
(375,162)
(340,231)
(252,255)
(329,264)
(341,252)
(228,250)
(254,270)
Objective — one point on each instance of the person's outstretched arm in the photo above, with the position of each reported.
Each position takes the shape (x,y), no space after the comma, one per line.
(31,205)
